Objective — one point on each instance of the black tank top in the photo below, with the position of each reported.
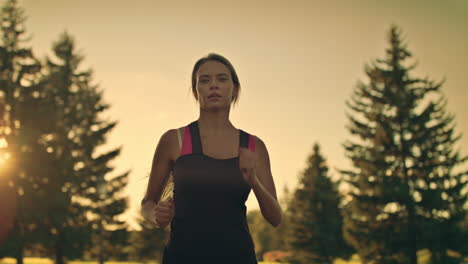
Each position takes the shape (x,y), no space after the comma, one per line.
(210,223)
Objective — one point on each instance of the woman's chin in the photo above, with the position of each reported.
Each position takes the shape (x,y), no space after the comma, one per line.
(216,107)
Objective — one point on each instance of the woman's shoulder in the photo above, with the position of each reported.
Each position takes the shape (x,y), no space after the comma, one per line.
(259,147)
(256,140)
(170,141)
(171,133)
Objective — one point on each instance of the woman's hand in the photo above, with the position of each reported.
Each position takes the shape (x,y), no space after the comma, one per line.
(247,163)
(164,212)
(160,214)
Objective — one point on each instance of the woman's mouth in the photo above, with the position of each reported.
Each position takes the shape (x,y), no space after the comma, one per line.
(214,97)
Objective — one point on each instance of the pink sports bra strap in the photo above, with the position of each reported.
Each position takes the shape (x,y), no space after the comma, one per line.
(251,143)
(186,142)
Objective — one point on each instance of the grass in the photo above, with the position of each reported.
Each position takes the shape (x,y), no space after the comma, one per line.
(423,258)
(50,261)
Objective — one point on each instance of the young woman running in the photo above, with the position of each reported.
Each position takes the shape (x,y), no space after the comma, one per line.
(210,167)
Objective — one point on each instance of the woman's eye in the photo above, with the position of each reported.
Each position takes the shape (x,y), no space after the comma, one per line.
(203,81)
(223,79)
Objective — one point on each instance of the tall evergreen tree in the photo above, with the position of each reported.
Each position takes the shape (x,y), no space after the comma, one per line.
(52,128)
(66,226)
(25,116)
(316,223)
(87,203)
(403,187)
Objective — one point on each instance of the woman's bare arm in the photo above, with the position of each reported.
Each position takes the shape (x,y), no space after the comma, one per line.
(265,189)
(161,167)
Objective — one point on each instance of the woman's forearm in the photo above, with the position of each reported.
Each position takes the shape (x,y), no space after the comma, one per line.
(269,206)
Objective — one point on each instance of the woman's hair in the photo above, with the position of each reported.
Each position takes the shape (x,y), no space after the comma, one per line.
(216,57)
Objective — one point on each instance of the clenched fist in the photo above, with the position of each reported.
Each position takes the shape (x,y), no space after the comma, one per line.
(160,214)
(248,165)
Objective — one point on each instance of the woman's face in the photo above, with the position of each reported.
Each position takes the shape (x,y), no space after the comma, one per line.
(214,78)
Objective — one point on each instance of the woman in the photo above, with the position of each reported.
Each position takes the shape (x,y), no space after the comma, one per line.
(214,167)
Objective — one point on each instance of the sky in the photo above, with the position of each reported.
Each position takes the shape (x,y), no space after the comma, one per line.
(298,62)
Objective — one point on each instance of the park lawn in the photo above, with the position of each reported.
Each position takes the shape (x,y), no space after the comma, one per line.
(50,261)
(423,258)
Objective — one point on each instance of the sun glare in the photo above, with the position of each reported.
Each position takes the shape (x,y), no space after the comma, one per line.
(4,156)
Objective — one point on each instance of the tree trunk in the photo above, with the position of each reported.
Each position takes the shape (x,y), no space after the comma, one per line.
(412,250)
(19,256)
(59,250)
(20,250)
(411,234)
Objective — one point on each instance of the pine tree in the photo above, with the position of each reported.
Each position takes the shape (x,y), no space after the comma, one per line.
(315,222)
(80,187)
(25,116)
(66,226)
(403,186)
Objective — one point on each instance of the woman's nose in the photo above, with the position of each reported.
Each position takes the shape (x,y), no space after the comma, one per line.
(213,82)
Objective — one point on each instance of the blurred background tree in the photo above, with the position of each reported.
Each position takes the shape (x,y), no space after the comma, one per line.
(52,125)
(315,224)
(405,194)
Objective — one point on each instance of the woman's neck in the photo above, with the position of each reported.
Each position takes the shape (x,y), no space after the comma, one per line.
(215,123)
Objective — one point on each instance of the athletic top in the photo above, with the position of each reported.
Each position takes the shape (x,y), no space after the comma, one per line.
(209,223)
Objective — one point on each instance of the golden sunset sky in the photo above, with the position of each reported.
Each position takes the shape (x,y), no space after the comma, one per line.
(298,62)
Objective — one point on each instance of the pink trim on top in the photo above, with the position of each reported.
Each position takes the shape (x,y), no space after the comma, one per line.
(251,143)
(186,142)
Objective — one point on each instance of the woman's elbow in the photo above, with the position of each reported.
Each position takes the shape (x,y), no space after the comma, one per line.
(275,221)
(278,222)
